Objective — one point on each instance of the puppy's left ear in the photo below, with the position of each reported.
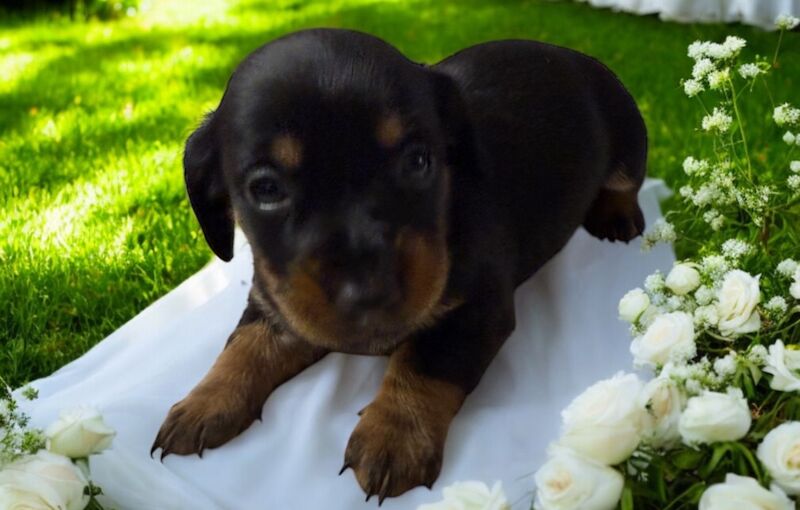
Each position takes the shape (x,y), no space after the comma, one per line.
(202,172)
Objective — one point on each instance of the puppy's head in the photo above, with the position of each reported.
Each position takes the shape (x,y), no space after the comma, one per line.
(330,149)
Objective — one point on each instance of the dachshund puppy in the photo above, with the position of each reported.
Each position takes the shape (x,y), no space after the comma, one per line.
(392,208)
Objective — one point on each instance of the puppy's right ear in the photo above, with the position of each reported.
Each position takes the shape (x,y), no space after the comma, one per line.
(205,185)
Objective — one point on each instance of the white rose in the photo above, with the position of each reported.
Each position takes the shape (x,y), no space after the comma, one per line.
(794,289)
(79,432)
(663,402)
(633,304)
(44,481)
(570,482)
(682,279)
(470,496)
(743,492)
(784,365)
(780,453)
(604,423)
(669,337)
(713,417)
(738,297)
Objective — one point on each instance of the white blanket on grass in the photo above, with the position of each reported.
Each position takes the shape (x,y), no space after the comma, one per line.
(567,337)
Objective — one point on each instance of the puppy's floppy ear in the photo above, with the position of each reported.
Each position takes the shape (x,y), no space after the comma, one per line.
(205,185)
(455,120)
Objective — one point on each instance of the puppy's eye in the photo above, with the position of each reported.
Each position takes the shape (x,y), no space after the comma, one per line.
(417,166)
(266,191)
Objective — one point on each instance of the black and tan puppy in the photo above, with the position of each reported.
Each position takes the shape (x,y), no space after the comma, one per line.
(392,208)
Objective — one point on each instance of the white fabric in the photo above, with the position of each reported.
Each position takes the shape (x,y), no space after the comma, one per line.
(761,13)
(567,337)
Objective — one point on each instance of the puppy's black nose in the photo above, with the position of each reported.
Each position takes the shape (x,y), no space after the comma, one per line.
(354,297)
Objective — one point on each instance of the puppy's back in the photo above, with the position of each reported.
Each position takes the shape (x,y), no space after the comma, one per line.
(553,125)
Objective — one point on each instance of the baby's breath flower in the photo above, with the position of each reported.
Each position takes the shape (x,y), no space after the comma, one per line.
(701,68)
(714,218)
(654,283)
(693,166)
(786,114)
(698,49)
(674,303)
(750,70)
(706,316)
(786,22)
(735,248)
(789,138)
(694,387)
(726,366)
(732,46)
(686,192)
(718,79)
(719,121)
(787,267)
(662,232)
(776,305)
(793,182)
(704,295)
(714,266)
(757,355)
(794,166)
(692,87)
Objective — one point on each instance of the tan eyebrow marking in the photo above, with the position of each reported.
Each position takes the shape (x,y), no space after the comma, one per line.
(390,130)
(287,151)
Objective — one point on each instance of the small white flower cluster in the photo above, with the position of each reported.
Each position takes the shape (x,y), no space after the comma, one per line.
(718,120)
(49,478)
(791,139)
(712,65)
(786,115)
(790,268)
(786,22)
(662,232)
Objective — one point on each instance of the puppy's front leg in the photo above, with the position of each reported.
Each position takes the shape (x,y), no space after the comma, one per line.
(399,442)
(258,357)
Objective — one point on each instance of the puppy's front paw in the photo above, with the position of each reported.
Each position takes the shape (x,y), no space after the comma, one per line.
(204,419)
(393,450)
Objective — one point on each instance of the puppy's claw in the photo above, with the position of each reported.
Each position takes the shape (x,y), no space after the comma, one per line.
(369,495)
(384,490)
(344,468)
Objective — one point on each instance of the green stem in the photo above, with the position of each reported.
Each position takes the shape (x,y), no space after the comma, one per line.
(777,48)
(741,131)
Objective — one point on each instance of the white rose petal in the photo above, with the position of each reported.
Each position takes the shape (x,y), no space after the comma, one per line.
(663,402)
(79,432)
(633,304)
(743,492)
(780,454)
(794,289)
(683,279)
(569,482)
(670,337)
(784,365)
(738,297)
(470,496)
(43,481)
(604,423)
(712,417)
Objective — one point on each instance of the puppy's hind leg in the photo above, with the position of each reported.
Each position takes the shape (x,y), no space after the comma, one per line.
(615,213)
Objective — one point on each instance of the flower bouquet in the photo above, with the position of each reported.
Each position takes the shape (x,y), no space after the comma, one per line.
(49,470)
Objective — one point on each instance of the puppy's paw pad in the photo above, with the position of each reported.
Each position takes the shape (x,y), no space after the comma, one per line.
(196,423)
(391,454)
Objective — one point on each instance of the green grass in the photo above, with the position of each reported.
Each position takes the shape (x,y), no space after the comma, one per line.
(94,223)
